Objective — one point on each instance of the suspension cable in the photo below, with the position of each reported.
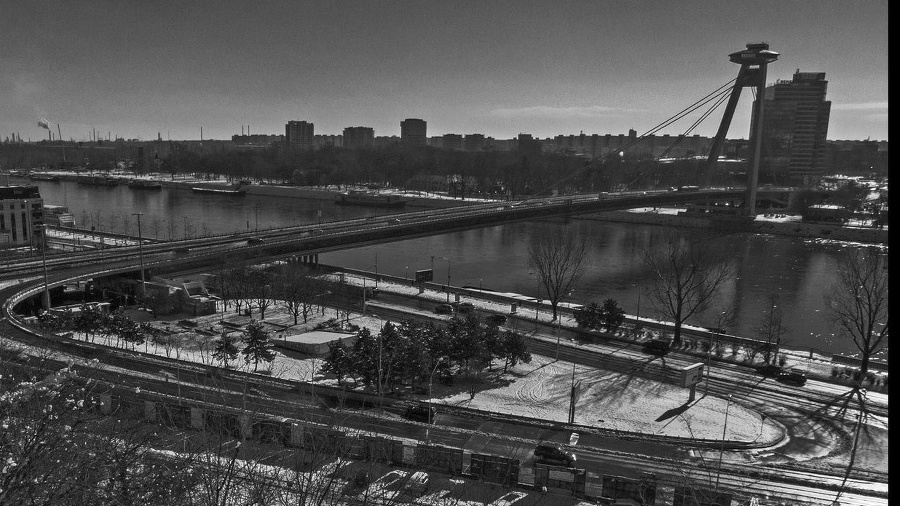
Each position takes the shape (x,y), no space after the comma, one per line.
(722,97)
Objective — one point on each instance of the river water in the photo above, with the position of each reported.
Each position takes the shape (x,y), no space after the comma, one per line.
(799,270)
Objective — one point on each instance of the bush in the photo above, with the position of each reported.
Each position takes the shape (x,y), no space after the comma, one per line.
(835,372)
(782,360)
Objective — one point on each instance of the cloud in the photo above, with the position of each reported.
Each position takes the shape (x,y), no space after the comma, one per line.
(860,106)
(540,111)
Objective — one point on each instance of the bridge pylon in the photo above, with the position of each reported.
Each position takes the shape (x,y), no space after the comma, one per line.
(754,62)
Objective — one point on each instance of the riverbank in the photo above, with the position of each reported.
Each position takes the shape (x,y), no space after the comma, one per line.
(763,224)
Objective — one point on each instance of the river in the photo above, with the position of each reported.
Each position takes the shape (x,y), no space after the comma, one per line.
(799,270)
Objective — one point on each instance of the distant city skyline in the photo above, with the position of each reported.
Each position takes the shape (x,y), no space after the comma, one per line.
(545,68)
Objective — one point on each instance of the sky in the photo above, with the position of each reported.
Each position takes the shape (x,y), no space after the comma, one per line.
(136,69)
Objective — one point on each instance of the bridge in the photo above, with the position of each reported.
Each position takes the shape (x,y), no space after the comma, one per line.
(307,241)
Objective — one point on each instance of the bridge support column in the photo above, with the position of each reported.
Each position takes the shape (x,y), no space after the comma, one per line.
(753,61)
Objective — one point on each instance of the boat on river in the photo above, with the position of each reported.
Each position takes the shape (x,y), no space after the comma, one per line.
(37,176)
(220,190)
(143,184)
(363,198)
(99,181)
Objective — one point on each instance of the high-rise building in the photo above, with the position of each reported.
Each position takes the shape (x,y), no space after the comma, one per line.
(359,137)
(795,123)
(413,132)
(299,135)
(21,214)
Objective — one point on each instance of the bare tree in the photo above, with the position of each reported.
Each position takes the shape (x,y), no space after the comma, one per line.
(558,257)
(171,228)
(771,328)
(297,289)
(155,226)
(858,302)
(688,272)
(261,290)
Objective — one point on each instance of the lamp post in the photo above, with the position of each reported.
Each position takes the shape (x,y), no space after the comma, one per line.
(722,447)
(364,291)
(141,254)
(45,300)
(430,407)
(448,274)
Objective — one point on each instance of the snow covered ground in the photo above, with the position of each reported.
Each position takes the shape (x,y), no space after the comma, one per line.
(539,390)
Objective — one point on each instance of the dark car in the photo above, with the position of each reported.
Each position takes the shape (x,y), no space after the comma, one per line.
(254,240)
(463,307)
(421,413)
(769,370)
(552,453)
(443,309)
(496,319)
(657,347)
(792,377)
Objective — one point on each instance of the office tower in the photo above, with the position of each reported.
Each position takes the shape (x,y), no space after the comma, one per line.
(413,132)
(358,137)
(299,135)
(795,123)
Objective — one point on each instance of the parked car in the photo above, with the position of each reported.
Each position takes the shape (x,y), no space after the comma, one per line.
(657,347)
(496,319)
(463,307)
(792,377)
(420,413)
(443,309)
(769,370)
(552,453)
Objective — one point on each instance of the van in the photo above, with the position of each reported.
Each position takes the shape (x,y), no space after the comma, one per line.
(553,453)
(420,413)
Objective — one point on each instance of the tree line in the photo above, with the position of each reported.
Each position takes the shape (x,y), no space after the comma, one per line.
(411,354)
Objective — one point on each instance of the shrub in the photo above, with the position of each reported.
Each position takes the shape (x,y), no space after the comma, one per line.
(835,372)
(782,360)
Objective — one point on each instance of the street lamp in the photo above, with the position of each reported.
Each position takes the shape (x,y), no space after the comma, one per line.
(141,255)
(46,297)
(364,290)
(430,406)
(722,447)
(448,274)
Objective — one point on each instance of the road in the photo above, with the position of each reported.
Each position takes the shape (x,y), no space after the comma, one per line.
(790,470)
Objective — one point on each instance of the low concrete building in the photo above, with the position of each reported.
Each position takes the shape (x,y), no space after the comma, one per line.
(315,343)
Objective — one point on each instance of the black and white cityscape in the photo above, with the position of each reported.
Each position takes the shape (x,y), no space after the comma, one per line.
(444,253)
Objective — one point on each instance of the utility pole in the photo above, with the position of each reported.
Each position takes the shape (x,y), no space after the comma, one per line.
(141,255)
